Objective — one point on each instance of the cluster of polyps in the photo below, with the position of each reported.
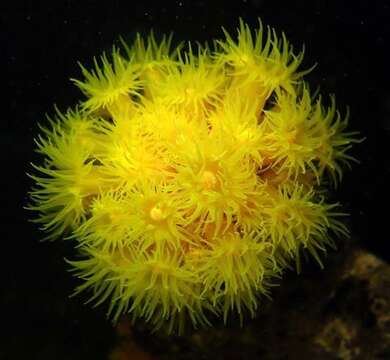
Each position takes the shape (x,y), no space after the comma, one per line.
(191,179)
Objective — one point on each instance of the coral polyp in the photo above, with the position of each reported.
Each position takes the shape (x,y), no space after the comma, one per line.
(191,177)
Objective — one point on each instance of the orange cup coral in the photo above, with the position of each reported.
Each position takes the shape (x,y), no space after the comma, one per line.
(190,179)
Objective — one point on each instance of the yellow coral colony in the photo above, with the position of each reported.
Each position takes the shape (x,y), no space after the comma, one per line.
(190,179)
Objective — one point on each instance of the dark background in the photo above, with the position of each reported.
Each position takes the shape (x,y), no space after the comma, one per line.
(41,43)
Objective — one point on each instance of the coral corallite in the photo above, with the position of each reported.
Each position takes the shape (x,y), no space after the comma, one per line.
(191,177)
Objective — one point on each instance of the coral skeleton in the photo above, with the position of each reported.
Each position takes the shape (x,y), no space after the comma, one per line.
(190,177)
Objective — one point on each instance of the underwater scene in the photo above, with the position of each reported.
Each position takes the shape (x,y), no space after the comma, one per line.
(196,180)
